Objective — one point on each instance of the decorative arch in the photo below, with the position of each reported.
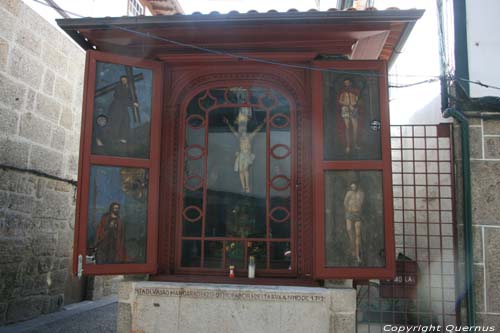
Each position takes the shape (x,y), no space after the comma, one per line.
(186,83)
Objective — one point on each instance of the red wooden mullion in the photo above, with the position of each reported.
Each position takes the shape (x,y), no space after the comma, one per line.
(237,239)
(120,162)
(268,190)
(78,226)
(293,189)
(204,197)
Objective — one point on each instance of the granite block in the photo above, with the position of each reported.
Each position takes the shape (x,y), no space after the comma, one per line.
(491,126)
(492,265)
(485,180)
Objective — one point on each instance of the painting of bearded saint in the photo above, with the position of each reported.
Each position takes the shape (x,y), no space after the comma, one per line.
(122,111)
(117,215)
(109,237)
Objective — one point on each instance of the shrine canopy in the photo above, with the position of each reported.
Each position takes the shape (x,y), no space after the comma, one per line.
(285,36)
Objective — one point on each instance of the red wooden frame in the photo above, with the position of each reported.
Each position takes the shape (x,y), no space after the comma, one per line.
(320,166)
(204,154)
(87,160)
(183,83)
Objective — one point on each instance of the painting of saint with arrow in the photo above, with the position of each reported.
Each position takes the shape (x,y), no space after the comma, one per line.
(122,111)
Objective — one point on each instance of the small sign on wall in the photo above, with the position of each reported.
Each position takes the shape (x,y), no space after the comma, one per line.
(404,285)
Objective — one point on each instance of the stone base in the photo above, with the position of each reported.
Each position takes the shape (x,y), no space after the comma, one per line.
(102,286)
(192,307)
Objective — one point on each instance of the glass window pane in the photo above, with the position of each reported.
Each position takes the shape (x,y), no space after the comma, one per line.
(117,215)
(351,116)
(214,254)
(192,213)
(191,253)
(235,254)
(354,219)
(122,110)
(281,255)
(236,189)
(280,230)
(259,251)
(237,173)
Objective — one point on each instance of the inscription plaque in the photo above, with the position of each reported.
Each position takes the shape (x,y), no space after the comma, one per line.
(229,295)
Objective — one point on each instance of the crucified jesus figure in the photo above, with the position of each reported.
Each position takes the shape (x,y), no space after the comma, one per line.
(244,158)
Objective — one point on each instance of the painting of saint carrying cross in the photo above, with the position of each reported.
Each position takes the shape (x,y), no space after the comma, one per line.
(122,111)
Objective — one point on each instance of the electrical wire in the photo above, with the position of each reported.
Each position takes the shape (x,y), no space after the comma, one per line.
(431,78)
(476,82)
(240,56)
(58,8)
(412,84)
(255,59)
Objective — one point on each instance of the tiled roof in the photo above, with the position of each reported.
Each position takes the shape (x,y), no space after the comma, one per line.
(271,11)
(291,10)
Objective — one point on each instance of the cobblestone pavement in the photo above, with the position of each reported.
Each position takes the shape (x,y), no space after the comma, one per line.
(87,316)
(102,319)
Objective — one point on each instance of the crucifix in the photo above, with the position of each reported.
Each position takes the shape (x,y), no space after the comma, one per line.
(245,157)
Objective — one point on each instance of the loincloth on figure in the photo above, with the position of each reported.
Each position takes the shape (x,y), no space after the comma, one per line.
(243,161)
(348,112)
(353,216)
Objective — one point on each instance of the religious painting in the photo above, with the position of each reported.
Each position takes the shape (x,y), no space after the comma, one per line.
(354,219)
(117,215)
(237,178)
(351,116)
(122,111)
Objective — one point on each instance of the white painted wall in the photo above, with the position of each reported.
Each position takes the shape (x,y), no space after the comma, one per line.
(88,8)
(76,8)
(419,61)
(483,43)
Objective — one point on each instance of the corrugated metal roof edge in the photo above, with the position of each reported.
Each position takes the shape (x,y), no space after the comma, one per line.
(180,12)
(337,16)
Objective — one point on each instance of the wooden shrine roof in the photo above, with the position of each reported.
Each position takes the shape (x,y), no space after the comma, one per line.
(357,35)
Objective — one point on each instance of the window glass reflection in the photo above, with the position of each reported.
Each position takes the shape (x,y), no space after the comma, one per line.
(238,173)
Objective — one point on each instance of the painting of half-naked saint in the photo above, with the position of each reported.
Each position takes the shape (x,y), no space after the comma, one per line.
(117,215)
(351,116)
(122,111)
(354,220)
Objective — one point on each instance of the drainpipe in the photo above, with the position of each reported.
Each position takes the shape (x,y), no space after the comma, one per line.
(462,70)
(467,211)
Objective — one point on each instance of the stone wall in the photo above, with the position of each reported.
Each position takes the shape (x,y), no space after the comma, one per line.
(36,223)
(41,79)
(485,178)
